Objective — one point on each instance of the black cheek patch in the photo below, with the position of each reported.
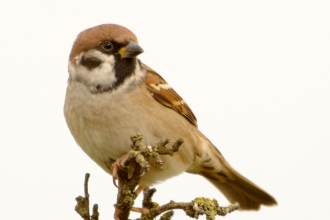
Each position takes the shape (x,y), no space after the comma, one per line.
(90,62)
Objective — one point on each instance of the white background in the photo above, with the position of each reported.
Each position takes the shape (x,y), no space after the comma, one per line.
(256,74)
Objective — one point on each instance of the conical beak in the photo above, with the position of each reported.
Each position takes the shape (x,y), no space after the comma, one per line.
(131,50)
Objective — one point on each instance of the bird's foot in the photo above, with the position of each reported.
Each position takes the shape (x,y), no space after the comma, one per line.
(129,161)
(114,166)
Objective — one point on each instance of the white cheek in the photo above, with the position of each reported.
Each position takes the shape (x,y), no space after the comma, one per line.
(103,75)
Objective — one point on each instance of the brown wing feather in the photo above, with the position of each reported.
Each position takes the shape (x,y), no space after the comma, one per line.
(165,95)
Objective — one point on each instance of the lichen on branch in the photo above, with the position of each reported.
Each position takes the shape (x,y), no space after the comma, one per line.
(129,169)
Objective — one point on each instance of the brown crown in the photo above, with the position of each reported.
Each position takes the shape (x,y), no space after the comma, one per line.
(92,37)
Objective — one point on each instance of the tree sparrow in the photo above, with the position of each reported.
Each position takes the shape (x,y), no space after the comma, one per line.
(111,96)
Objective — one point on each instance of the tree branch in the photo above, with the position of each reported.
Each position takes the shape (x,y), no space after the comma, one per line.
(129,169)
(132,166)
(199,206)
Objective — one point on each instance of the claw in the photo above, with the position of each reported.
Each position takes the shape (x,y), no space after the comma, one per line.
(114,182)
(143,172)
(114,170)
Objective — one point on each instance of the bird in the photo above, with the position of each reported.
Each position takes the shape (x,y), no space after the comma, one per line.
(111,95)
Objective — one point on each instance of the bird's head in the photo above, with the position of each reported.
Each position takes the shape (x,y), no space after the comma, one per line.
(104,56)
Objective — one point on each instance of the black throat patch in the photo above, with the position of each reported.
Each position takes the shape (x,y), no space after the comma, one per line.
(124,68)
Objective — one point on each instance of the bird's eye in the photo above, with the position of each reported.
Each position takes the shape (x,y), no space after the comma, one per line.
(106,45)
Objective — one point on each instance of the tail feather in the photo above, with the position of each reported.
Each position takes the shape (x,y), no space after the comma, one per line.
(234,186)
(241,190)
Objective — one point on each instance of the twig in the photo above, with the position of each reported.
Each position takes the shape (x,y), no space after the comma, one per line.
(147,195)
(129,169)
(136,159)
(87,175)
(95,215)
(82,207)
(167,215)
(199,206)
(126,195)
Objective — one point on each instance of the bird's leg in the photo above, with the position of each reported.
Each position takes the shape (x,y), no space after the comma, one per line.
(114,166)
(129,161)
(128,169)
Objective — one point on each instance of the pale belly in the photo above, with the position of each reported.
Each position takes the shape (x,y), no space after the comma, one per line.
(103,123)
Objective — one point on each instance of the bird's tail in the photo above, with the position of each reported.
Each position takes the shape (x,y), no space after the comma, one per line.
(236,187)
